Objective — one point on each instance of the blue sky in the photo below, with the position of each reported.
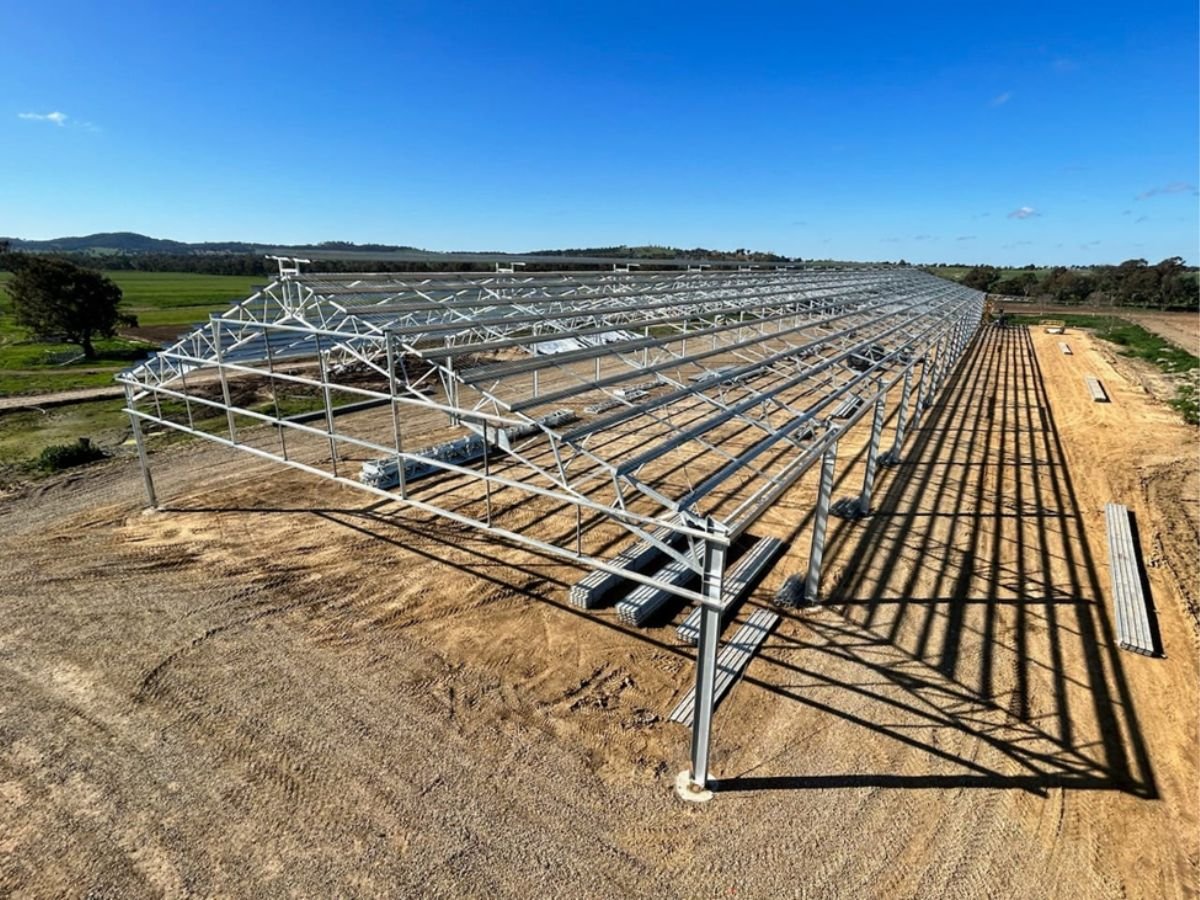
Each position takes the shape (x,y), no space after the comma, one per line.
(1001,132)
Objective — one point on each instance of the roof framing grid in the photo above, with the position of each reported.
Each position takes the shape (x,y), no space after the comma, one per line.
(694,398)
(568,412)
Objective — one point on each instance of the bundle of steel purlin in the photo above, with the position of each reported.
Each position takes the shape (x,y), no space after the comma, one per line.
(1134,631)
(388,471)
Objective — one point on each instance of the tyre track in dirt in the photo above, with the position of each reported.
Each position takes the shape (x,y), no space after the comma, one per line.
(368,704)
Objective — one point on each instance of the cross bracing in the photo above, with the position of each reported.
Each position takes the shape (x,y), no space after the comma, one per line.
(576,413)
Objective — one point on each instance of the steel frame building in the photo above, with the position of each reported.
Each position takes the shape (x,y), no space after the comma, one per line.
(611,408)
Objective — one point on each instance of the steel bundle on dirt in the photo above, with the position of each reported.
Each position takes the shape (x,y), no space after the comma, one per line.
(735,656)
(738,581)
(1129,600)
(702,397)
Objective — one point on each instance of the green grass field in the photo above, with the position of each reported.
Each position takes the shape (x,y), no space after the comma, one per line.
(180,298)
(24,434)
(168,300)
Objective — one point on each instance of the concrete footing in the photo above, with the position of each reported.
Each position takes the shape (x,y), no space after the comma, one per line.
(686,789)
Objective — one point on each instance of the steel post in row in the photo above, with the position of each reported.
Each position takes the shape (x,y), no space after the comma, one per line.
(136,424)
(902,414)
(451,384)
(812,583)
(323,362)
(864,499)
(397,433)
(220,360)
(706,660)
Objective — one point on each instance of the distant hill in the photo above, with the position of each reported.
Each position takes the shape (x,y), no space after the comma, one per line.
(131,244)
(105,243)
(118,243)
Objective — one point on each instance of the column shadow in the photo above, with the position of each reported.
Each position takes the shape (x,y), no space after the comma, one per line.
(970,604)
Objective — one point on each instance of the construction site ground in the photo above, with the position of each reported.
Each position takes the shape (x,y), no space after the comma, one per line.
(273,685)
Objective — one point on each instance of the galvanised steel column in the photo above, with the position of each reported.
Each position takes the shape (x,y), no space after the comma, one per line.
(396,432)
(902,415)
(274,396)
(220,354)
(960,333)
(935,377)
(969,326)
(812,583)
(706,659)
(451,389)
(925,385)
(323,361)
(136,424)
(864,500)
(947,361)
(487,475)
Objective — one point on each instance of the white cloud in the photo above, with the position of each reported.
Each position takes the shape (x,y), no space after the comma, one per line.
(61,119)
(1001,99)
(58,118)
(1023,212)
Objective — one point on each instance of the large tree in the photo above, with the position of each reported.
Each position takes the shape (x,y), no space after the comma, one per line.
(1020,285)
(981,278)
(58,300)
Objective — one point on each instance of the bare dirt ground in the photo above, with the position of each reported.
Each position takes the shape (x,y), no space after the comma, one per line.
(271,687)
(1180,328)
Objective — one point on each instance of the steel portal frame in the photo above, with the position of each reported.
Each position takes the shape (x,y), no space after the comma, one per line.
(713,392)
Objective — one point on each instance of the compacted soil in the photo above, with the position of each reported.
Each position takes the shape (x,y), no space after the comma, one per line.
(273,686)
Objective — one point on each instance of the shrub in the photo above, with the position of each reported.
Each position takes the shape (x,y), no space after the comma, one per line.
(57,457)
(1187,403)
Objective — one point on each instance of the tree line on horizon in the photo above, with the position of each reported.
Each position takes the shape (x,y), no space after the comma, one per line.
(1169,284)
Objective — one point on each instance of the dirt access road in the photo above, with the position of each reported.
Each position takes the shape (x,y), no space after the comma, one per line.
(272,688)
(1180,328)
(58,398)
